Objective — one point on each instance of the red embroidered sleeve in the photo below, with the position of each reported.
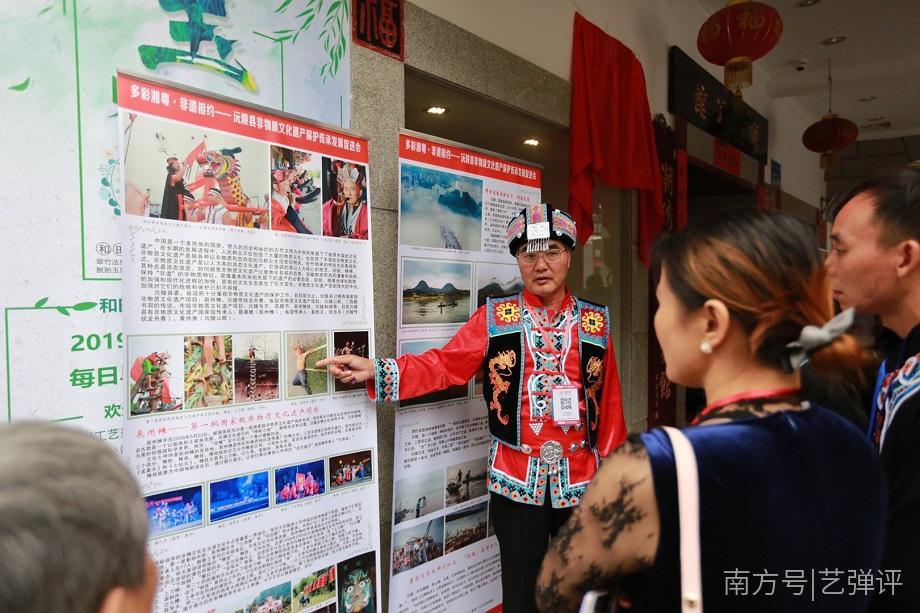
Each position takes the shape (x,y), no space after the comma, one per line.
(453,364)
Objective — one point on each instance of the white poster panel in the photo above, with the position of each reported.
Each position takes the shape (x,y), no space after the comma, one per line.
(455,203)
(61,270)
(258,470)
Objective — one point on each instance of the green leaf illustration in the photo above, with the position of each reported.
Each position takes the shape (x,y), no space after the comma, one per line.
(117,211)
(113,202)
(332,35)
(105,181)
(20,87)
(41,302)
(111,162)
(83,306)
(63,311)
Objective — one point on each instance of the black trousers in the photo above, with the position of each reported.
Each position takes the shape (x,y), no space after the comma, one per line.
(523,532)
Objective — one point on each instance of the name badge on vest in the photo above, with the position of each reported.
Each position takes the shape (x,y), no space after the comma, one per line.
(565,405)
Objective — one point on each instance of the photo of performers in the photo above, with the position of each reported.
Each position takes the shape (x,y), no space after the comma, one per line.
(296,190)
(298,482)
(210,178)
(551,389)
(349,343)
(238,496)
(350,469)
(255,367)
(304,349)
(344,199)
(155,374)
(174,511)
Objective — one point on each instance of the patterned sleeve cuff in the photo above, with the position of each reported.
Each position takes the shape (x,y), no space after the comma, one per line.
(386,382)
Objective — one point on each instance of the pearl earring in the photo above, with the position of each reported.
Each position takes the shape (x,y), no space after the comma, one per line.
(706,347)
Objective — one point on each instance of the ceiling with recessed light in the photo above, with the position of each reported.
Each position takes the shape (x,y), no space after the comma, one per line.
(880,59)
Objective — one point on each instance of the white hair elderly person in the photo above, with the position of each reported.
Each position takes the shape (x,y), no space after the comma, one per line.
(73,528)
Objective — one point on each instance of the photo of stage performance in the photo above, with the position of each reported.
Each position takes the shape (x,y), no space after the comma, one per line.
(255,367)
(293,483)
(465,481)
(182,173)
(276,599)
(417,545)
(418,496)
(350,343)
(350,469)
(304,350)
(356,579)
(174,511)
(315,589)
(465,527)
(238,496)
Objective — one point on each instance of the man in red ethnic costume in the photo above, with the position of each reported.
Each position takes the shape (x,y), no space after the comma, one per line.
(551,390)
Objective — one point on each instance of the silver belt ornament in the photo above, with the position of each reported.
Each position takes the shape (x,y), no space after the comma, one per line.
(551,452)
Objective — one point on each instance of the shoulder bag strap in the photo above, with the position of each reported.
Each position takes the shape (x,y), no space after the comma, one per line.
(688,501)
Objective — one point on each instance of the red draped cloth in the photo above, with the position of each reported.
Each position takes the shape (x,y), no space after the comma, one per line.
(612,139)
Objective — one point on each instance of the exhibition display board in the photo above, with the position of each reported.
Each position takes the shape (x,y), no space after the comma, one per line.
(259,471)
(455,203)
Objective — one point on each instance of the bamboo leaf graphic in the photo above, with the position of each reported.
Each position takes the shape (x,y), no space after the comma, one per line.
(20,87)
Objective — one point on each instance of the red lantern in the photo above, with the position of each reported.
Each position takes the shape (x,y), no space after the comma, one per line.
(829,136)
(832,133)
(738,34)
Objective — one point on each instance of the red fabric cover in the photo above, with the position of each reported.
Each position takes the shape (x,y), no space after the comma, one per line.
(612,139)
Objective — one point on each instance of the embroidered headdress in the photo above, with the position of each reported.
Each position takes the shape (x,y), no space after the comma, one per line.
(537,224)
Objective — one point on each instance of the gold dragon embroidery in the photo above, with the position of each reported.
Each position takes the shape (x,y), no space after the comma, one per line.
(500,369)
(595,370)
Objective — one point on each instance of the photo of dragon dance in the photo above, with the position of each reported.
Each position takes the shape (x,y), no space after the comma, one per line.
(180,172)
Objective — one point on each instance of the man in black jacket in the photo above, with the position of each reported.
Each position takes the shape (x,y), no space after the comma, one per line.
(875,264)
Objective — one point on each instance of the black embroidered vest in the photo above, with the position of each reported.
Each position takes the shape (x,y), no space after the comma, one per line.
(503,366)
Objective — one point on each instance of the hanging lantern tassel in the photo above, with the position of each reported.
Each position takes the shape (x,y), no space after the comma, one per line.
(739,73)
